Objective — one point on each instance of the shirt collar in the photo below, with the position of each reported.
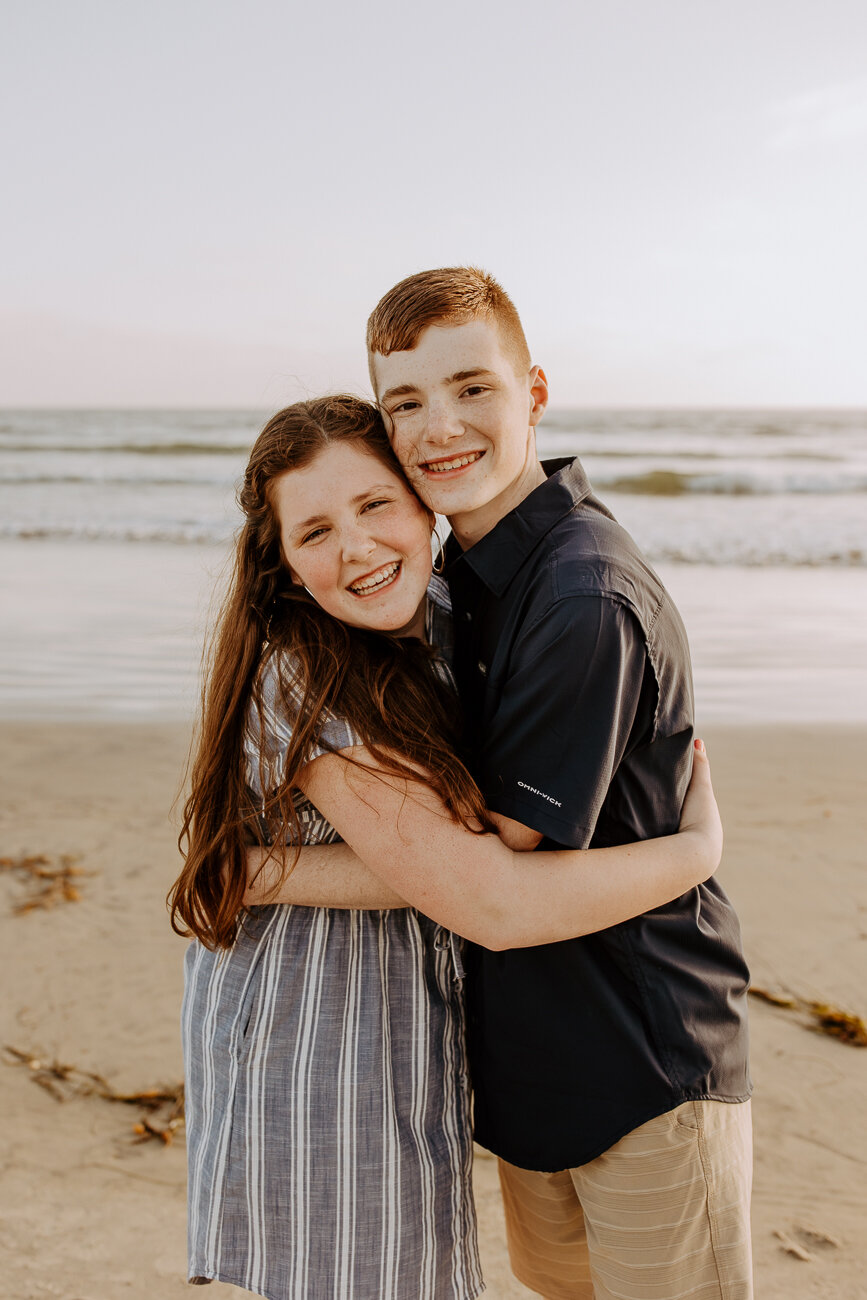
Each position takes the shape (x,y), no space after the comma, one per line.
(498,555)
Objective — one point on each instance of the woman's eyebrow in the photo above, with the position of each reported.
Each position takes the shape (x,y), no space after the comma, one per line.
(368,492)
(314,519)
(372,491)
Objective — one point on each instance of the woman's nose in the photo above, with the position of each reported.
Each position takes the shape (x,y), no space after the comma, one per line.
(357,544)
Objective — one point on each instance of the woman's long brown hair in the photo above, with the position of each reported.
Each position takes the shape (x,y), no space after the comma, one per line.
(383,686)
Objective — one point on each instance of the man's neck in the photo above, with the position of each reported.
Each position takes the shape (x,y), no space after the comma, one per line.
(471,526)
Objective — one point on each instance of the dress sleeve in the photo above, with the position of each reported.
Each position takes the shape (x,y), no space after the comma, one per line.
(564,717)
(267,738)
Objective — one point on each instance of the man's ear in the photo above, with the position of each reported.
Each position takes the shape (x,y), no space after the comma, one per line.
(538,394)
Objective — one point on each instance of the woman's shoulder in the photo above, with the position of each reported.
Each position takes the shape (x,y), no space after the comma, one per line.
(439,626)
(278,704)
(438,593)
(280,677)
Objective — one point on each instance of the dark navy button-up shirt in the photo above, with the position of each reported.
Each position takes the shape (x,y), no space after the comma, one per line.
(574,674)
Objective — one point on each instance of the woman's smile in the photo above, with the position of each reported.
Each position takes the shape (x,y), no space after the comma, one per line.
(373,583)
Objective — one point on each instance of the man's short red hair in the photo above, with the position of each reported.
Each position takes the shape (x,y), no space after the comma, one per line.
(451,295)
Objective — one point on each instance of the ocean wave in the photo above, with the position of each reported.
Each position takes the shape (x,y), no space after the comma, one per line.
(721,552)
(749,556)
(659,482)
(675,483)
(630,451)
(134,448)
(177,534)
(136,481)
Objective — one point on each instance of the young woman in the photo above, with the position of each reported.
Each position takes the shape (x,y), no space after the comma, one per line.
(327,1111)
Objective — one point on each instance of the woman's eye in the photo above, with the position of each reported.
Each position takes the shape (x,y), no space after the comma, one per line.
(371,505)
(311,537)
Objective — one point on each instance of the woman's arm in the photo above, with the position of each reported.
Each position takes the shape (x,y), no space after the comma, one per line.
(333,875)
(477,886)
(325,875)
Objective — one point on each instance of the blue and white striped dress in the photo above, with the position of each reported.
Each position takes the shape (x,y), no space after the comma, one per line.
(328,1132)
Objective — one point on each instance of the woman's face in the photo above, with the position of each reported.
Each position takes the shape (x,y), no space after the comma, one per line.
(357,538)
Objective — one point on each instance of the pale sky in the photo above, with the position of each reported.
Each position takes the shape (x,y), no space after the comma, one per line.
(203,199)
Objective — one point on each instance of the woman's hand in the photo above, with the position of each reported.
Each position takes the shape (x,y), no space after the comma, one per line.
(700,814)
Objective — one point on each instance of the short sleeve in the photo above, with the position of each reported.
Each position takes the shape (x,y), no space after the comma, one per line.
(564,717)
(266,739)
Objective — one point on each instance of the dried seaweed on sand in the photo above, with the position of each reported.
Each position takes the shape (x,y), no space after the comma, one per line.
(839,1024)
(52,880)
(822,1017)
(163,1108)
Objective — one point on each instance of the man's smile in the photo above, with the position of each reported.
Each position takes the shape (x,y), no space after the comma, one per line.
(451,464)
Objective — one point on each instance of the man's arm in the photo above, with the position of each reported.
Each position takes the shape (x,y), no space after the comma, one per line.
(587,644)
(327,875)
(565,717)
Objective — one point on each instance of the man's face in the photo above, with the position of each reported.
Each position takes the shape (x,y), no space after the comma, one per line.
(460,419)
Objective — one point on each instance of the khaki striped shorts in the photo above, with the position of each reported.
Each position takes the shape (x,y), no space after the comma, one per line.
(662,1214)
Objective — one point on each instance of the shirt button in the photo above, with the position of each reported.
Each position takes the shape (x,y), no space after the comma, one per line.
(483,669)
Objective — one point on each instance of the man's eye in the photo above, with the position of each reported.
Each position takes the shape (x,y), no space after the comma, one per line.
(474,390)
(403,408)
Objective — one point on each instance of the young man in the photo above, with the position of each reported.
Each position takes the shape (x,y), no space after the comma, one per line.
(615,1063)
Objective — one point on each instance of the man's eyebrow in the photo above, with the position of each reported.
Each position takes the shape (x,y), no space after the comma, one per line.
(478,373)
(368,492)
(459,377)
(401,390)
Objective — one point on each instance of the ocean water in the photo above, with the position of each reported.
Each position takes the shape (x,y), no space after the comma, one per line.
(115,528)
(695,487)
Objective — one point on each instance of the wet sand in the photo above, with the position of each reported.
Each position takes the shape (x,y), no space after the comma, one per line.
(87,1215)
(101,630)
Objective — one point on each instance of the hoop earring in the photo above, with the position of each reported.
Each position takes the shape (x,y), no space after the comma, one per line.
(440,555)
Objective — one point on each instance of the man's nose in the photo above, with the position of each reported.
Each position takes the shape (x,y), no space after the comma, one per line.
(442,424)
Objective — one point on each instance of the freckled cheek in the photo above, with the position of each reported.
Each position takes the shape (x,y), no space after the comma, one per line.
(413,535)
(406,448)
(319,576)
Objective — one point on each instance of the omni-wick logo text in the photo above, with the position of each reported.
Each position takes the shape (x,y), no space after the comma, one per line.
(541,793)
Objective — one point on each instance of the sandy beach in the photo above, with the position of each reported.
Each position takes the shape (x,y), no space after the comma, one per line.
(87,1214)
